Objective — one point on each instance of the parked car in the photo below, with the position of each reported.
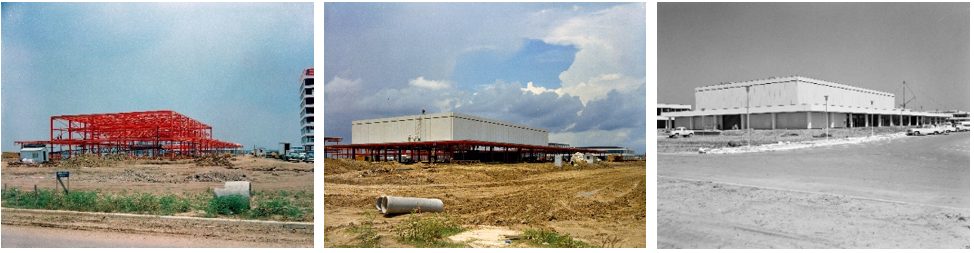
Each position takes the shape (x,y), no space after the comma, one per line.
(309,157)
(295,156)
(680,131)
(924,130)
(962,126)
(944,129)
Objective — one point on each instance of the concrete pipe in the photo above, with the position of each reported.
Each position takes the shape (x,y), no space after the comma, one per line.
(394,205)
(241,188)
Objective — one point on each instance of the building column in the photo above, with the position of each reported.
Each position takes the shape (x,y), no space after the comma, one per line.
(808,119)
(772,121)
(869,120)
(715,122)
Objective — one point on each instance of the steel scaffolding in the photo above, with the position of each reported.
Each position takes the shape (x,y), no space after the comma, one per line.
(138,134)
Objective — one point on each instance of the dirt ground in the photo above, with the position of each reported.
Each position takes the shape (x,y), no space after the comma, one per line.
(592,203)
(168,177)
(704,214)
(28,228)
(164,176)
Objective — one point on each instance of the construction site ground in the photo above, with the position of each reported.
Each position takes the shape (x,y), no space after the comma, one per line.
(593,202)
(909,192)
(164,177)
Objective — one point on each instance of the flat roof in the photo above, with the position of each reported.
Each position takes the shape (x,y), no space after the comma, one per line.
(677,106)
(776,79)
(803,108)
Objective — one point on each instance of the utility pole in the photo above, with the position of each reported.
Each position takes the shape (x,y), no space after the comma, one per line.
(870,119)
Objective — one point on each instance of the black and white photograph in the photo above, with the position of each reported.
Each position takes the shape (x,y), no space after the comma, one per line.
(813,125)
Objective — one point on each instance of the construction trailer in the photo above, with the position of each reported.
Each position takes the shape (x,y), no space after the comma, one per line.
(138,134)
(37,153)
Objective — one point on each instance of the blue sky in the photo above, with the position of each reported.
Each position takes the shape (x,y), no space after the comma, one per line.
(576,69)
(870,45)
(234,66)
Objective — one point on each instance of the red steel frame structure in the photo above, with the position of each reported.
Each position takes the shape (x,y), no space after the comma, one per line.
(463,150)
(140,134)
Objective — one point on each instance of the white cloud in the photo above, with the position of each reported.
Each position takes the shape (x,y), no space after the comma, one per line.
(430,84)
(539,90)
(611,51)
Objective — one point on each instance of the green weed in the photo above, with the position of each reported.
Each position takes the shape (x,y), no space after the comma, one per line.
(228,205)
(365,232)
(287,206)
(430,231)
(551,239)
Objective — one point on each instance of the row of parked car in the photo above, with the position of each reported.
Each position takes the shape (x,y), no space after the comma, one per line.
(939,129)
(308,157)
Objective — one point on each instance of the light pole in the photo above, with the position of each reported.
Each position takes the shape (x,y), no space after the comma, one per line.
(826,117)
(870,120)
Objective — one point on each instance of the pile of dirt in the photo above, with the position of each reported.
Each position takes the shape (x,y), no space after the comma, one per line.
(93,160)
(131,175)
(222,160)
(216,176)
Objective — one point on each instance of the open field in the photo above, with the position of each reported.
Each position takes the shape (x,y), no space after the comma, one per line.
(129,185)
(760,137)
(592,203)
(909,192)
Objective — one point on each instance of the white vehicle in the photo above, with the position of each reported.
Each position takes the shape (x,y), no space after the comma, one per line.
(962,126)
(945,129)
(680,131)
(924,130)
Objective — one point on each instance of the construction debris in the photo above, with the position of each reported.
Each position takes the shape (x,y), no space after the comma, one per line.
(93,160)
(222,160)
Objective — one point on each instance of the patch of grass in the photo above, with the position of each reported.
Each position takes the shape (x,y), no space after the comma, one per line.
(551,239)
(228,205)
(364,233)
(96,201)
(430,231)
(283,205)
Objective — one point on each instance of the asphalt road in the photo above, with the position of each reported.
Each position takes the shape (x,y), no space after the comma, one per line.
(931,170)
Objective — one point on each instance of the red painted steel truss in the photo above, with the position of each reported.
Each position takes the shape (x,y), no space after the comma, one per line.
(452,151)
(140,134)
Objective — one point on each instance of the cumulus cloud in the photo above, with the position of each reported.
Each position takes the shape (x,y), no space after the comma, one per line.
(538,90)
(609,58)
(429,84)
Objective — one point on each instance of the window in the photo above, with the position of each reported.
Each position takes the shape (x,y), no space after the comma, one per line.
(309,81)
(309,101)
(309,110)
(309,91)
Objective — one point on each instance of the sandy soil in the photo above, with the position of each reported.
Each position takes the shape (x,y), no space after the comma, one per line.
(589,202)
(28,228)
(167,177)
(703,214)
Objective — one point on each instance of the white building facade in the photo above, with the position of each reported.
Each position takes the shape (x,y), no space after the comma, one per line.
(308,109)
(794,102)
(449,126)
(665,122)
